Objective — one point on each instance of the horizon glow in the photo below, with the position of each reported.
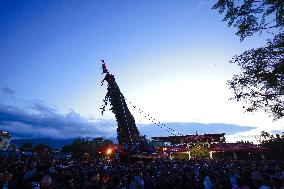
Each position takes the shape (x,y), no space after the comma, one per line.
(169,58)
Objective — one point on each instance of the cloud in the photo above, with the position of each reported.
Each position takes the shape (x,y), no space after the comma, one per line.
(46,122)
(38,120)
(7,92)
(41,107)
(273,132)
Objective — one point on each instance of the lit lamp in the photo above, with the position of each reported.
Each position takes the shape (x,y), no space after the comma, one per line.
(109,151)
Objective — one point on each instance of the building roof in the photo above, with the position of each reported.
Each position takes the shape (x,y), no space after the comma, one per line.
(237,147)
(220,147)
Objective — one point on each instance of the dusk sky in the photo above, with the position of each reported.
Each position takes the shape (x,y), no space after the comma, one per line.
(170,58)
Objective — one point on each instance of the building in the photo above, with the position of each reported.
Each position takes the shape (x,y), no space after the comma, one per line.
(5,139)
(206,146)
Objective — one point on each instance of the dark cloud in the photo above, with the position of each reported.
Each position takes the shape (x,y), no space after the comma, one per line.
(7,91)
(41,107)
(47,123)
(44,121)
(39,120)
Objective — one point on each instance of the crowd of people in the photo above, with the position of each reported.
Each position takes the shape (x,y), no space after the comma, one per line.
(48,173)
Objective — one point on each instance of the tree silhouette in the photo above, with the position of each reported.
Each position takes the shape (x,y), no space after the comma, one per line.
(81,146)
(274,143)
(261,83)
(42,148)
(27,147)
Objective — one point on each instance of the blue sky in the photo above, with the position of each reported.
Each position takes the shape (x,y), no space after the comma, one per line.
(169,57)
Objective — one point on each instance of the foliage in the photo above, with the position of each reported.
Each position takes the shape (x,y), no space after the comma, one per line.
(261,83)
(252,16)
(81,146)
(274,142)
(127,132)
(27,147)
(198,151)
(42,148)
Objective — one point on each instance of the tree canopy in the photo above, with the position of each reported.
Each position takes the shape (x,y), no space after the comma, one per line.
(28,147)
(261,83)
(275,143)
(81,146)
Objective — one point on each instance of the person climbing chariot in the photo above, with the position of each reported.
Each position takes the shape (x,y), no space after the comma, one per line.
(104,68)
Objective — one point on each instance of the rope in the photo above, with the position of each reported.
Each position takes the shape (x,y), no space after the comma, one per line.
(159,124)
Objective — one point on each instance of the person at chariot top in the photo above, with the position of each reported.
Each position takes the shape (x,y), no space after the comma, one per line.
(104,67)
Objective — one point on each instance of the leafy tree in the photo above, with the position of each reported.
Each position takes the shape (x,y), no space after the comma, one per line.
(199,151)
(42,149)
(81,146)
(75,147)
(28,147)
(261,83)
(274,143)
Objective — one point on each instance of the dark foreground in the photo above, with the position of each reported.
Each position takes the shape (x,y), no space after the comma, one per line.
(36,173)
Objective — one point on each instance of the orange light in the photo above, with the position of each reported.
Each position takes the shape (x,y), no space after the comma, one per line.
(109,151)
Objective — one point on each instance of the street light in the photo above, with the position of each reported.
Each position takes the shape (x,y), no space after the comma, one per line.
(109,152)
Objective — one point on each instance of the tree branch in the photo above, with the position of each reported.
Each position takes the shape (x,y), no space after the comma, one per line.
(269,27)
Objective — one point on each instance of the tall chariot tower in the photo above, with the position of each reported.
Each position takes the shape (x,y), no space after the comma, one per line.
(127,132)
